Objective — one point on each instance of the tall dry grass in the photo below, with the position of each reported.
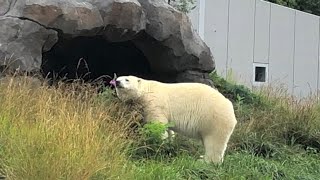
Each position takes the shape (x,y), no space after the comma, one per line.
(67,132)
(278,119)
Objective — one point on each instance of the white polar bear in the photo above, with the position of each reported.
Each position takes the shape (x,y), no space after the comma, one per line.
(196,110)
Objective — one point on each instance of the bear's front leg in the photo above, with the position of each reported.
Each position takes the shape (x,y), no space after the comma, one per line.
(151,117)
(171,134)
(168,134)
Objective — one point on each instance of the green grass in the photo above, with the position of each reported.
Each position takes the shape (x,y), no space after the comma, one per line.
(72,132)
(237,165)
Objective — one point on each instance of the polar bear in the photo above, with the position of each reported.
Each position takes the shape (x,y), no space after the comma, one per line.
(196,110)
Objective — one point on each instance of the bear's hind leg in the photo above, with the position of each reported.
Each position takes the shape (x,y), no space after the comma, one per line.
(215,146)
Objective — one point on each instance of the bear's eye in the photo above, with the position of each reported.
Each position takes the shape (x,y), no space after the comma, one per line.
(126,80)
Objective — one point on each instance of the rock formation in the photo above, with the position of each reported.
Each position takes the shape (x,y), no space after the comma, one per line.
(90,38)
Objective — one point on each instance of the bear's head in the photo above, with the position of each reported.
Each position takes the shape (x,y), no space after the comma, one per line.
(128,87)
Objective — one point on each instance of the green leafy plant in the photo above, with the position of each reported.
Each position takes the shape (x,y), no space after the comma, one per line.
(153,131)
(235,92)
(151,143)
(183,5)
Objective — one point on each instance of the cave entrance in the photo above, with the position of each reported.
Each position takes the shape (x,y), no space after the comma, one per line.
(92,58)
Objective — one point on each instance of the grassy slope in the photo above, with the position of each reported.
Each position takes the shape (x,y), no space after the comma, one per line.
(276,138)
(77,134)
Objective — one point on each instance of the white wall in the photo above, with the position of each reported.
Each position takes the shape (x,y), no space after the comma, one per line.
(216,32)
(262,32)
(306,54)
(241,38)
(243,33)
(281,46)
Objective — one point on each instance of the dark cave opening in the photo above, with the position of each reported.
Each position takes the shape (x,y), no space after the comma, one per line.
(92,58)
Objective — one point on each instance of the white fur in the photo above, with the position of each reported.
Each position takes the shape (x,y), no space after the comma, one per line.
(196,110)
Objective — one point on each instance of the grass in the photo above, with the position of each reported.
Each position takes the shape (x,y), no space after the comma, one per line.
(62,133)
(72,132)
(237,165)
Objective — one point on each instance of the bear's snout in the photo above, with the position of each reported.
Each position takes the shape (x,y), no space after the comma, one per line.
(118,83)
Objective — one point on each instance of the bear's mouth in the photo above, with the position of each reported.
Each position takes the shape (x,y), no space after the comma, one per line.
(119,85)
(115,83)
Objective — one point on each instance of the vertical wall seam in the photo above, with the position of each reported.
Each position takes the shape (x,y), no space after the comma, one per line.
(254,41)
(269,43)
(198,17)
(228,33)
(294,50)
(318,60)
(202,10)
(254,30)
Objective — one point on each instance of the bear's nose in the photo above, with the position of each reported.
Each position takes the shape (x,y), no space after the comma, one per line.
(117,83)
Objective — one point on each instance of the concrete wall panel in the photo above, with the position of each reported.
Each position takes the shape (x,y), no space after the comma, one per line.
(241,33)
(306,54)
(241,38)
(262,32)
(281,46)
(216,32)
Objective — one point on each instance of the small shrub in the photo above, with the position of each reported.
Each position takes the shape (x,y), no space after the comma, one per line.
(107,95)
(153,132)
(235,92)
(184,6)
(152,145)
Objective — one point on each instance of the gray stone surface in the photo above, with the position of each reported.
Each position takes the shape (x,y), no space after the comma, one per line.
(22,43)
(30,27)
